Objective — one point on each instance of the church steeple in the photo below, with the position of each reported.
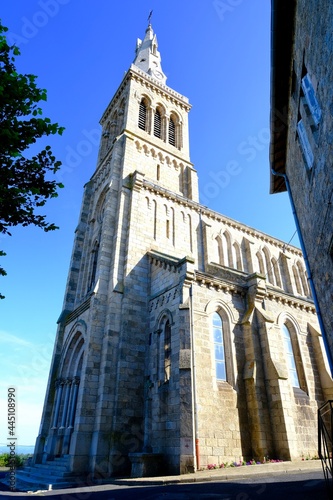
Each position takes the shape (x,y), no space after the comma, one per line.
(148,58)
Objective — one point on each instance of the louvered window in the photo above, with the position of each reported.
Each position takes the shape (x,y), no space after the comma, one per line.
(157,124)
(142,115)
(172,132)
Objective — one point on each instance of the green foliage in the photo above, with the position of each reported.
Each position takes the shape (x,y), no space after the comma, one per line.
(23,183)
(5,460)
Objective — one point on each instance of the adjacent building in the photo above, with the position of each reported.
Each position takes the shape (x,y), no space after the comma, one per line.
(186,337)
(302,136)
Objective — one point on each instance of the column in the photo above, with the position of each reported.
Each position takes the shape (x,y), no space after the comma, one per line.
(68,384)
(59,387)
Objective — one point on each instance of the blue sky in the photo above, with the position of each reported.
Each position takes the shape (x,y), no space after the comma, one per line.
(215,53)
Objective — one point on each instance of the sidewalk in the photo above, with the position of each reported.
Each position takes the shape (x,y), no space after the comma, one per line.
(227,474)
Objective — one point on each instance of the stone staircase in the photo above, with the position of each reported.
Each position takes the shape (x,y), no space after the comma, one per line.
(53,475)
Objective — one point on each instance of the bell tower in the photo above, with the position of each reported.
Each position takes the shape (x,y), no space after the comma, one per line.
(155,118)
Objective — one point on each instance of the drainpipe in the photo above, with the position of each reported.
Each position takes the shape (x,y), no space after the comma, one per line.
(193,378)
(308,269)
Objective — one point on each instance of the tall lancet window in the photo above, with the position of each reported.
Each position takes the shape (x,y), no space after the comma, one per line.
(290,356)
(167,351)
(93,267)
(172,131)
(157,124)
(143,115)
(221,373)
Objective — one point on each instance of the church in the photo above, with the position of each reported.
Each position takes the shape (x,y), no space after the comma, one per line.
(186,338)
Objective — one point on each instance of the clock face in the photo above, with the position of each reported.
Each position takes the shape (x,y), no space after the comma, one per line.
(158,74)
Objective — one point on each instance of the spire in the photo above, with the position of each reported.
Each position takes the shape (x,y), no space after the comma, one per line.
(148,58)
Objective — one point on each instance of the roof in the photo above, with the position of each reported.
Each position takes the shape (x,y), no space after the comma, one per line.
(282,37)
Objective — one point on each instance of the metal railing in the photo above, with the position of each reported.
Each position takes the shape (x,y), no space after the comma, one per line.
(325,443)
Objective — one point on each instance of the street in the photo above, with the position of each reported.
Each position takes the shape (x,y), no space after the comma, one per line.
(295,486)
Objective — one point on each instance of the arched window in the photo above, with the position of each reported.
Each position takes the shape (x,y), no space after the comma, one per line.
(289,351)
(303,279)
(172,131)
(157,124)
(261,263)
(167,351)
(93,266)
(229,260)
(268,267)
(276,272)
(143,115)
(297,280)
(219,352)
(237,256)
(219,250)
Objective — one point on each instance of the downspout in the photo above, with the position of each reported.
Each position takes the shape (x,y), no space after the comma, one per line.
(308,269)
(193,380)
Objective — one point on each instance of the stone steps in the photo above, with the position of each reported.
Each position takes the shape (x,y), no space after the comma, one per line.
(52,475)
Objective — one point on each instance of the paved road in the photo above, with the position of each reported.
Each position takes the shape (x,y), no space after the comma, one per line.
(279,486)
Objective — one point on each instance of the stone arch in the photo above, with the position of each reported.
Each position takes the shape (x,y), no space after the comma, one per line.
(219,249)
(261,264)
(219,304)
(276,272)
(268,266)
(160,121)
(100,206)
(67,388)
(228,259)
(303,278)
(144,113)
(164,324)
(238,261)
(175,130)
(297,280)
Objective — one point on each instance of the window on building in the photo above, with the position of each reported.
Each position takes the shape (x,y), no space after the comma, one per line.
(172,132)
(237,254)
(261,263)
(219,353)
(93,266)
(276,271)
(142,115)
(289,351)
(157,124)
(167,351)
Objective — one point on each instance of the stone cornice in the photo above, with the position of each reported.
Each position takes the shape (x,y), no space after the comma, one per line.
(290,300)
(158,88)
(210,281)
(168,261)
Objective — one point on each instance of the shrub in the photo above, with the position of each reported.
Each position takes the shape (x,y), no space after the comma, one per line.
(5,460)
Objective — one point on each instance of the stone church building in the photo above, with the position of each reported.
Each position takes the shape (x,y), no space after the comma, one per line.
(186,338)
